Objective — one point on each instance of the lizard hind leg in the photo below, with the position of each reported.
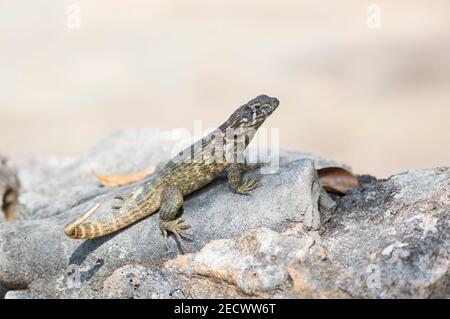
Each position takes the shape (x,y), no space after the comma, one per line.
(171,202)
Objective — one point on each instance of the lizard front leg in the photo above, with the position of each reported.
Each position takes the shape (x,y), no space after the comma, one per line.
(245,167)
(171,202)
(241,186)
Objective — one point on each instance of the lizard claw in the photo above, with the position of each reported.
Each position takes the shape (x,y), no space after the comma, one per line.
(247,185)
(176,227)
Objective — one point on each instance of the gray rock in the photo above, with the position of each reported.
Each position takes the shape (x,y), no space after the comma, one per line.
(23,294)
(255,262)
(2,292)
(35,249)
(260,263)
(393,237)
(387,239)
(138,282)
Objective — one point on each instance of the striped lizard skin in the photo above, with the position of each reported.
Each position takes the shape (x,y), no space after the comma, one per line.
(222,149)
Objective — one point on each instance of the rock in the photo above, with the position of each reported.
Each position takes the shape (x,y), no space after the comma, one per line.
(387,239)
(393,236)
(139,282)
(255,263)
(22,294)
(2,292)
(36,253)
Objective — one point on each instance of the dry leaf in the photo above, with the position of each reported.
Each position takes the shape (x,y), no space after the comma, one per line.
(124,179)
(337,180)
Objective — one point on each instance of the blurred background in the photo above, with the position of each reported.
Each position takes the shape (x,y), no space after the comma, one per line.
(361,84)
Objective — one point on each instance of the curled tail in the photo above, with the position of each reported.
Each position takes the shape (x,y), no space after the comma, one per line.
(77,229)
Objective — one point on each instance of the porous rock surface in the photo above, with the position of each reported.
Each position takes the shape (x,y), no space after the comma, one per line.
(387,239)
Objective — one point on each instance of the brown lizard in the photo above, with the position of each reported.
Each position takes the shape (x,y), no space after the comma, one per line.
(190,170)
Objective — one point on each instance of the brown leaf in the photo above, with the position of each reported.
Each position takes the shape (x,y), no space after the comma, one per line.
(124,179)
(337,180)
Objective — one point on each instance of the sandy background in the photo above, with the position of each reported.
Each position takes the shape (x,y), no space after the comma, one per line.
(378,99)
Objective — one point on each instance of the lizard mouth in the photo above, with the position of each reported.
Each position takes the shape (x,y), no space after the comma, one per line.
(271,107)
(276,102)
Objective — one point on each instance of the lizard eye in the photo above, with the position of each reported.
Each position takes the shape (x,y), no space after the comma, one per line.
(245,120)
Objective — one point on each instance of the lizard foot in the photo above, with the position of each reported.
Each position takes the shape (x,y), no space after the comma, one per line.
(248,185)
(176,227)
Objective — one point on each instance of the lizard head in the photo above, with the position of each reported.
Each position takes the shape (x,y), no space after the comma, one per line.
(255,112)
(249,117)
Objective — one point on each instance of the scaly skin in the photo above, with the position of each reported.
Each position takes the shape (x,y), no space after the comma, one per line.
(190,170)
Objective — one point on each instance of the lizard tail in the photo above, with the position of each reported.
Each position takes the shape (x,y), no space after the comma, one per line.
(71,228)
(77,229)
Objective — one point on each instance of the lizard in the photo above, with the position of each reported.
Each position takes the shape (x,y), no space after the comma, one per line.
(191,169)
